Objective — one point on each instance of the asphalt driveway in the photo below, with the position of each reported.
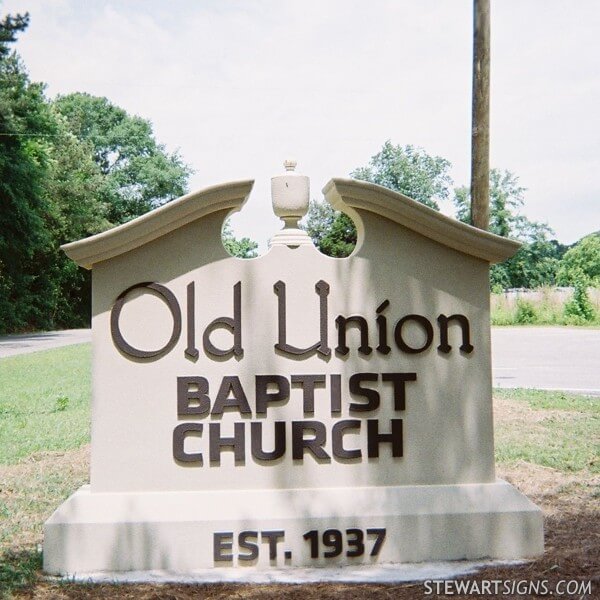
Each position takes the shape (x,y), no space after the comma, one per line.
(32,342)
(553,358)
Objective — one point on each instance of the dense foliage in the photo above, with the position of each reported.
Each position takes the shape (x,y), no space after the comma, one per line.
(69,168)
(26,125)
(138,173)
(240,248)
(332,232)
(582,262)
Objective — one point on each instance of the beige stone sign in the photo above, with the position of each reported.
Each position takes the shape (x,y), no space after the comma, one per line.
(293,409)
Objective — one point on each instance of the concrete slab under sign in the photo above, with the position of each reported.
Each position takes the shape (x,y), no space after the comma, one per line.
(385,573)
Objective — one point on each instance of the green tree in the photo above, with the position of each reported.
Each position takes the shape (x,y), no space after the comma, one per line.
(410,171)
(536,263)
(533,266)
(107,168)
(332,231)
(140,174)
(240,248)
(582,260)
(26,128)
(507,199)
(68,169)
(405,169)
(74,188)
(9,27)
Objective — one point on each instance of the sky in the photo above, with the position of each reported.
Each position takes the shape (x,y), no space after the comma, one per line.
(238,86)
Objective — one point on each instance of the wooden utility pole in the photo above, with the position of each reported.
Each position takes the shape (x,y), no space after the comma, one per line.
(480,125)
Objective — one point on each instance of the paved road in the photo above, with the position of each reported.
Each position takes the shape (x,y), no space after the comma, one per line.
(535,357)
(554,358)
(32,342)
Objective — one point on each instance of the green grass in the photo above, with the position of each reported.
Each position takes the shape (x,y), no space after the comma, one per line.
(44,401)
(543,399)
(44,406)
(552,429)
(29,492)
(18,570)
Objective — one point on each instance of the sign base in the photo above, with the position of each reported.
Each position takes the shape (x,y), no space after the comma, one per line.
(182,532)
(387,573)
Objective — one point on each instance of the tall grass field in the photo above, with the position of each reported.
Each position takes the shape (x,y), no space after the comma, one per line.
(546,306)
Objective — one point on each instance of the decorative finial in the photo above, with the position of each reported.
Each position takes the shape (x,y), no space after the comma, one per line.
(290,164)
(290,194)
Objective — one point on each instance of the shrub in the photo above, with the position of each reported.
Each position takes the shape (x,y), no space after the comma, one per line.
(579,309)
(526,314)
(582,259)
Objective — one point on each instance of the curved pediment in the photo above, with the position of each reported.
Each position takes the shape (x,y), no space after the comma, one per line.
(360,195)
(158,222)
(343,194)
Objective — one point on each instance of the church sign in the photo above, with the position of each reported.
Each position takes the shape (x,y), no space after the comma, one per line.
(293,409)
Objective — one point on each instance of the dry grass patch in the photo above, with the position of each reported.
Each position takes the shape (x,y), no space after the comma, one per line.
(32,489)
(549,429)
